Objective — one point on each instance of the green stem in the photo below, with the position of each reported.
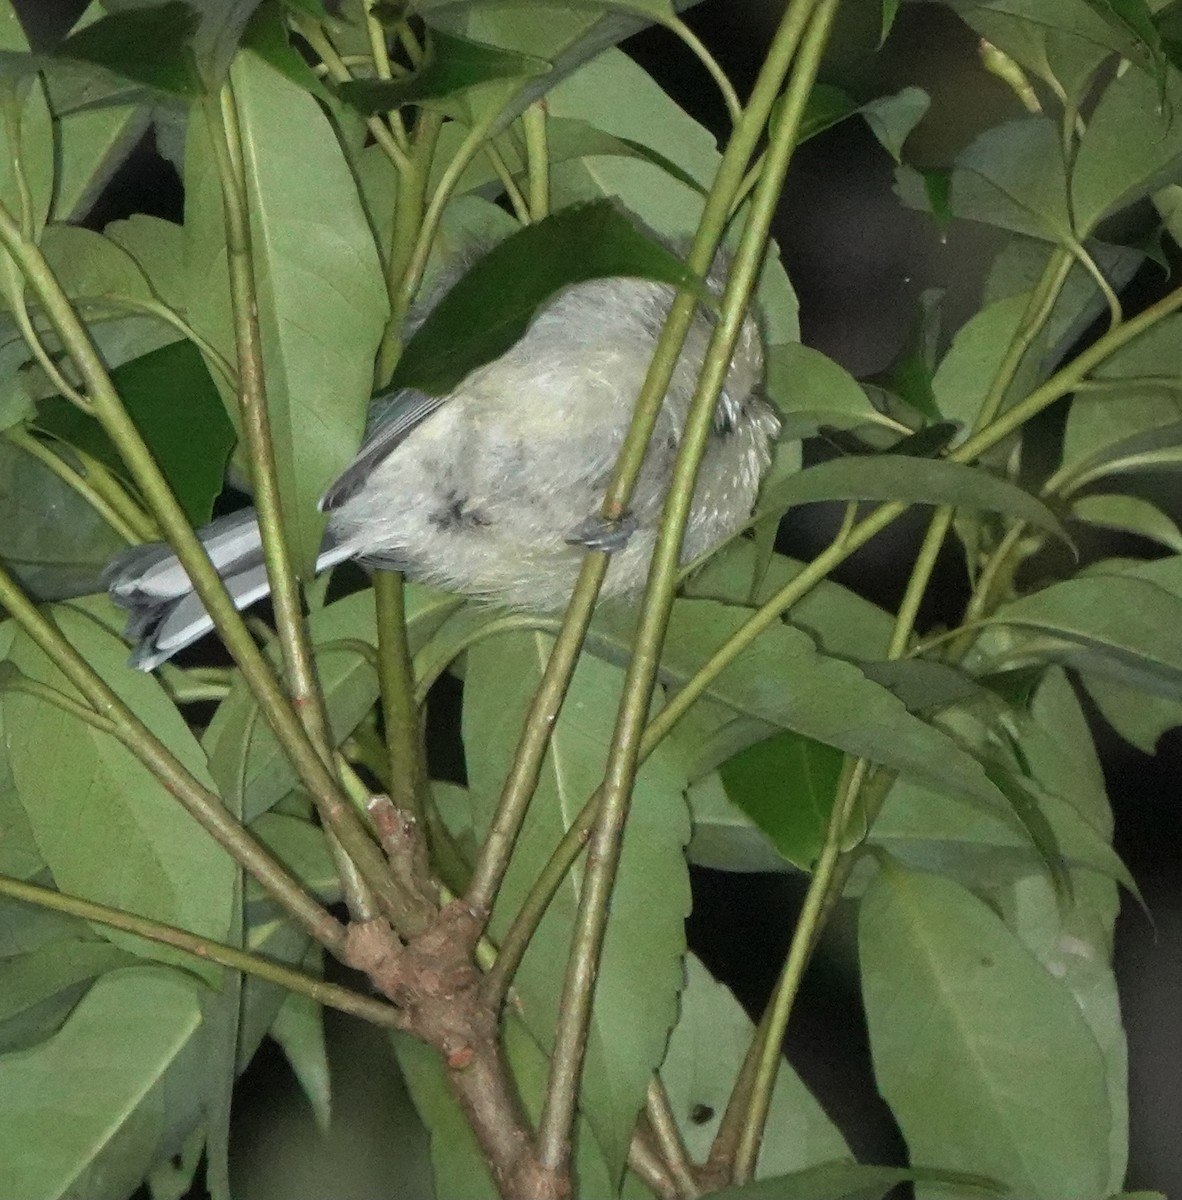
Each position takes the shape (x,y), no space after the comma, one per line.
(512,191)
(206,808)
(555,1126)
(208,950)
(537,157)
(112,490)
(771,1032)
(406,766)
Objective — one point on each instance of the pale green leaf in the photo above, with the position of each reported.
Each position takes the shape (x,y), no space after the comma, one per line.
(113,1086)
(322,298)
(640,974)
(986,1061)
(108,829)
(706,1051)
(1128,514)
(830,700)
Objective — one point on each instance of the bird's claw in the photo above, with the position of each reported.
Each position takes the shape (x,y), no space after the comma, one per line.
(598,534)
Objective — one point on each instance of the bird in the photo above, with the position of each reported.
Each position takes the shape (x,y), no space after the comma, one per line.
(493,490)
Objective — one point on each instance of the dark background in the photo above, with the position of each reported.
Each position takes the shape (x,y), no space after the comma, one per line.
(859,262)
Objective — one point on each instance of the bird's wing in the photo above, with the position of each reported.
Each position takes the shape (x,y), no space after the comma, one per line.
(398,418)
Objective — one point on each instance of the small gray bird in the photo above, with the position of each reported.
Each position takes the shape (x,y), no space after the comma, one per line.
(494,490)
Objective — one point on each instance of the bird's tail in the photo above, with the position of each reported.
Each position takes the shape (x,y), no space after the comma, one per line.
(165,613)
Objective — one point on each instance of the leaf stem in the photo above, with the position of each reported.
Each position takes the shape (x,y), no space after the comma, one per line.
(694,44)
(806,27)
(512,191)
(222,123)
(208,950)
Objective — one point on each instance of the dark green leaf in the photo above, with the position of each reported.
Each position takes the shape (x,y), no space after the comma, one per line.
(915,480)
(177,410)
(450,65)
(786,785)
(267,35)
(50,537)
(889,9)
(1013,175)
(153,46)
(1132,145)
(854,1181)
(491,307)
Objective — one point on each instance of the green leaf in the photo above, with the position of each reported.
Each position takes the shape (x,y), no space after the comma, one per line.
(891,118)
(1128,514)
(1132,146)
(64,966)
(175,406)
(830,700)
(95,272)
(50,537)
(1075,947)
(889,10)
(1138,716)
(985,1060)
(706,1050)
(1109,624)
(1013,176)
(244,755)
(810,390)
(887,477)
(1062,42)
(158,248)
(491,307)
(94,143)
(299,1030)
(645,937)
(267,35)
(786,785)
(135,1031)
(1135,18)
(724,837)
(967,370)
(29,152)
(615,94)
(450,65)
(322,298)
(853,1181)
(152,46)
(92,804)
